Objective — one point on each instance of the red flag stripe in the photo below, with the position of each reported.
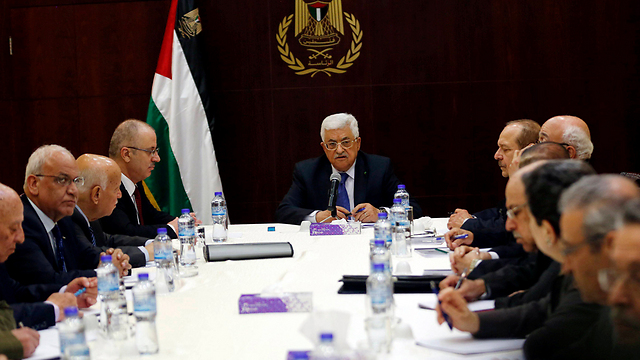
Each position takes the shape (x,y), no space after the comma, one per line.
(164,61)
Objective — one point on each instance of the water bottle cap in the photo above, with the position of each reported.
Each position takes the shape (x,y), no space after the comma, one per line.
(143,276)
(218,193)
(378,267)
(379,242)
(401,186)
(324,337)
(185,211)
(382,215)
(105,258)
(70,311)
(397,201)
(162,231)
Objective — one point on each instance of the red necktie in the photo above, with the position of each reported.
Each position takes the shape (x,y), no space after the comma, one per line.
(136,194)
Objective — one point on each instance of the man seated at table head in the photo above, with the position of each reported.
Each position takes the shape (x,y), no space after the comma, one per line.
(134,148)
(570,131)
(51,253)
(43,304)
(97,198)
(367,181)
(488,224)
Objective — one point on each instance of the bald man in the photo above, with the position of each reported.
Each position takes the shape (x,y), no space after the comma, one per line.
(571,132)
(51,253)
(97,198)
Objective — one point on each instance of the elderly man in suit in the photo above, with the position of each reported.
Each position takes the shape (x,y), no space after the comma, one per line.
(51,253)
(134,148)
(571,132)
(97,198)
(368,181)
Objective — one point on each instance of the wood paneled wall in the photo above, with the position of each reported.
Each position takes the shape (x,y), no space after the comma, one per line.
(435,82)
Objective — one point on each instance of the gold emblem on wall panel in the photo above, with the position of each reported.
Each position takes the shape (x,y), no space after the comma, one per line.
(318,27)
(190,24)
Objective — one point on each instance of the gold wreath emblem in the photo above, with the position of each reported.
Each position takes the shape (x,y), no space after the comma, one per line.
(344,63)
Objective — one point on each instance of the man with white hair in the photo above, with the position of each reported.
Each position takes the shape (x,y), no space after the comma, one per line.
(51,253)
(571,132)
(368,181)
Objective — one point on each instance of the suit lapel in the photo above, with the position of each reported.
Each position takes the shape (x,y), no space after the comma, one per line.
(127,204)
(98,233)
(36,230)
(361,180)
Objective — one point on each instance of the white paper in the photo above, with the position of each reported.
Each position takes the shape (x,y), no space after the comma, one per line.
(465,344)
(49,347)
(431,300)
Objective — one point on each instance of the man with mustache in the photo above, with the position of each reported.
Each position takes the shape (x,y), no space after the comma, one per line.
(368,181)
(134,148)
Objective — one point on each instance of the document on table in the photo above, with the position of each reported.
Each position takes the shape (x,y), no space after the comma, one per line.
(465,344)
(49,347)
(431,300)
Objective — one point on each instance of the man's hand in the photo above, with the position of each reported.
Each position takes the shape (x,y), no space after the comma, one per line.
(459,314)
(88,298)
(29,339)
(515,161)
(120,261)
(368,214)
(469,289)
(151,251)
(325,216)
(198,222)
(174,223)
(62,301)
(462,257)
(457,218)
(453,243)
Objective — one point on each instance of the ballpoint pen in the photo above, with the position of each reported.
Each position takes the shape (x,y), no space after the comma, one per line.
(436,291)
(80,292)
(462,278)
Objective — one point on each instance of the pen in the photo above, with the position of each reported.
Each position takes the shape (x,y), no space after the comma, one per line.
(359,210)
(442,251)
(435,290)
(462,277)
(21,324)
(80,292)
(458,237)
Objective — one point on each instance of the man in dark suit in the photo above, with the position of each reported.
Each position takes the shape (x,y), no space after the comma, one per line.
(368,181)
(51,253)
(134,148)
(97,198)
(36,306)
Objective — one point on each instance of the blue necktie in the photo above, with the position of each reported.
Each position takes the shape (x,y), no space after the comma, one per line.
(93,238)
(343,197)
(60,247)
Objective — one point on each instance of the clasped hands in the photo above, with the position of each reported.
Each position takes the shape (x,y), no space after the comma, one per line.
(364,212)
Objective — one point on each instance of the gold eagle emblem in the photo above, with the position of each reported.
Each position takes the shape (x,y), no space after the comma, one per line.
(190,24)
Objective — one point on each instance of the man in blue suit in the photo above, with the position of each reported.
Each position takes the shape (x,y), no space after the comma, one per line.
(368,182)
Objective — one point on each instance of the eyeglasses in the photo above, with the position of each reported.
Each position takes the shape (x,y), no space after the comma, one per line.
(570,249)
(152,152)
(64,180)
(346,144)
(609,278)
(514,211)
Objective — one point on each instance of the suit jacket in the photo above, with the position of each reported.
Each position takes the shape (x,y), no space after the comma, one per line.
(375,183)
(27,301)
(538,291)
(488,228)
(34,261)
(551,324)
(124,220)
(9,344)
(128,244)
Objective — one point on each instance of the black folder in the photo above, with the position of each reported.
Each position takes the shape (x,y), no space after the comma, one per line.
(222,252)
(403,284)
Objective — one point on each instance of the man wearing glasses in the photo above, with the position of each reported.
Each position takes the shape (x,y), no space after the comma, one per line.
(570,132)
(367,181)
(134,148)
(51,254)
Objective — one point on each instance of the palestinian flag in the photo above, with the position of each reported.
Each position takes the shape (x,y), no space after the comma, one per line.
(187,175)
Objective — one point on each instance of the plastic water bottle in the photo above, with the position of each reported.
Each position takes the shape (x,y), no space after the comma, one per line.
(219,217)
(380,308)
(401,226)
(113,304)
(382,229)
(73,344)
(187,236)
(163,256)
(403,195)
(381,255)
(144,309)
(325,349)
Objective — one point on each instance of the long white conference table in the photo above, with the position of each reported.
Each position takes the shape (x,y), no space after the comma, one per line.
(201,319)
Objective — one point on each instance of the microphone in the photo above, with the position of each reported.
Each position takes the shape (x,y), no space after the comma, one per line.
(333,193)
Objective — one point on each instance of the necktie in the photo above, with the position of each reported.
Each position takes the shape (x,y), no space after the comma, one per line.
(343,197)
(136,194)
(60,248)
(93,238)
